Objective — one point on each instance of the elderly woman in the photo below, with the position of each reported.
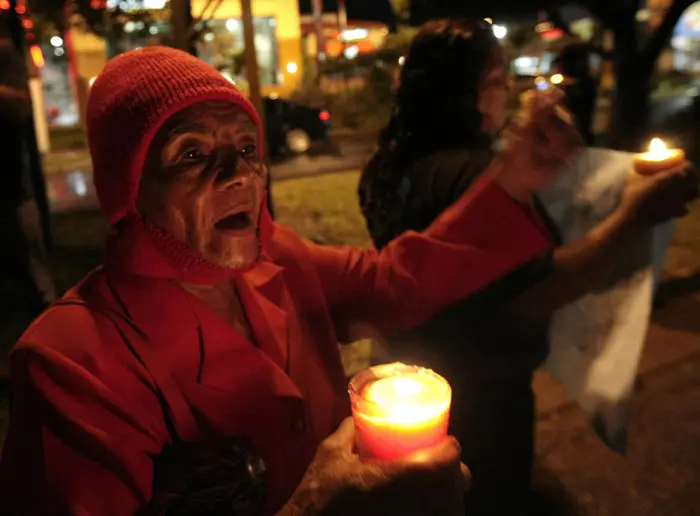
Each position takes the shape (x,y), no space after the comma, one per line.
(209,320)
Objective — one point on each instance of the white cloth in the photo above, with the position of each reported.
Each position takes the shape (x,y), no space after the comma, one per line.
(596,342)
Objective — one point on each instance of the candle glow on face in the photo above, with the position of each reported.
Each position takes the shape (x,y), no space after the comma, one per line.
(399,410)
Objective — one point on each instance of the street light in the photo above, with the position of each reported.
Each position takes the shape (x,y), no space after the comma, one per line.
(499,31)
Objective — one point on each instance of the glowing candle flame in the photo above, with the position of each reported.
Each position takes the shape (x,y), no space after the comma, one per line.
(399,409)
(658,158)
(409,399)
(657,146)
(658,151)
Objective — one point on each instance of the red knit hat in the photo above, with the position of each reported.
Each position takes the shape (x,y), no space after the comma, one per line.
(129,101)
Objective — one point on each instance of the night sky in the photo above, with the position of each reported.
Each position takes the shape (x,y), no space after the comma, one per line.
(379,10)
(499,10)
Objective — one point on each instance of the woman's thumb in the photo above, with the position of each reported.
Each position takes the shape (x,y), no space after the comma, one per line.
(344,436)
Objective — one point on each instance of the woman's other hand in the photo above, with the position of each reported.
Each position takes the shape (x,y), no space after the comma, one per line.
(538,146)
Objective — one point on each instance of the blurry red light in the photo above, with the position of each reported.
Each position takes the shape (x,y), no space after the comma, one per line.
(4,5)
(324,115)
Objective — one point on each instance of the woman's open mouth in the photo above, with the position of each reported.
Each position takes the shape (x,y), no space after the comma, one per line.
(236,223)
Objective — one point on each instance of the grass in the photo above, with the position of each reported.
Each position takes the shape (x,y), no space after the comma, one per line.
(322,208)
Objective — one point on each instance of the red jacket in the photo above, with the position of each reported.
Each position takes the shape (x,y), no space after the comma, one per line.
(86,420)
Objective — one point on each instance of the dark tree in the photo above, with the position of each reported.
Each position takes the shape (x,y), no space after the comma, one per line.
(636,49)
(26,285)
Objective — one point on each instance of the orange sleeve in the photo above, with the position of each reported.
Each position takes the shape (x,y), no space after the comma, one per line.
(81,435)
(481,237)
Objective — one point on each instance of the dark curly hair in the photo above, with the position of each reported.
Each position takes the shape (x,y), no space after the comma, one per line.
(436,109)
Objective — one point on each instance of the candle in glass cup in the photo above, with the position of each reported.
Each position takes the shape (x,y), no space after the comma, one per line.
(399,409)
(658,158)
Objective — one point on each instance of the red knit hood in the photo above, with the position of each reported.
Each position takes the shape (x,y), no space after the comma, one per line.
(129,102)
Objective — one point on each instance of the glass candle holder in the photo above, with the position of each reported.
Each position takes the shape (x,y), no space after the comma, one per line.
(399,409)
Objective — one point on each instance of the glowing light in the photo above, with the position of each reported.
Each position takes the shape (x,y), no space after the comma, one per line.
(658,149)
(557,78)
(499,31)
(56,41)
(351,52)
(399,409)
(354,34)
(292,67)
(658,158)
(231,24)
(541,83)
(37,55)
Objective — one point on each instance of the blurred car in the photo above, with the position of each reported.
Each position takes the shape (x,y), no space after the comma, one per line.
(293,128)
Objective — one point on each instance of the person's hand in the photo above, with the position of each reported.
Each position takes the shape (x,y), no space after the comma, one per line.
(651,199)
(540,143)
(338,482)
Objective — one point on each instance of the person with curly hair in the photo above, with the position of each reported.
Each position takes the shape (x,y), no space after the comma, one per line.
(450,106)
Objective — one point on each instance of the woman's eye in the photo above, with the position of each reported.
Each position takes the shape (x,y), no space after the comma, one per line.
(248,151)
(192,155)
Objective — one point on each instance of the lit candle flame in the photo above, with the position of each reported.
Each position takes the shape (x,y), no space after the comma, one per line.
(657,146)
(408,400)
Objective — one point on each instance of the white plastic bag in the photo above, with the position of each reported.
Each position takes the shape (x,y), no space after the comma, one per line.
(596,342)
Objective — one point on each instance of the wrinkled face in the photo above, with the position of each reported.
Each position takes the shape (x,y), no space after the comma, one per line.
(204,182)
(494,96)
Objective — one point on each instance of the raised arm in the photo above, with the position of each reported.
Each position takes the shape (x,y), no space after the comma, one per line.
(481,237)
(581,266)
(81,433)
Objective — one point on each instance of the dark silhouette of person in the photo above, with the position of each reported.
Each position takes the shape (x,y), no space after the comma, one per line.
(26,283)
(580,86)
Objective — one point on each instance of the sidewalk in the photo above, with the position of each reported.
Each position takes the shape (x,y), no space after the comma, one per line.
(659,476)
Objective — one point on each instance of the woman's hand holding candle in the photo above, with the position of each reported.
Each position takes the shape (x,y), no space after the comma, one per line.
(658,158)
(430,482)
(652,199)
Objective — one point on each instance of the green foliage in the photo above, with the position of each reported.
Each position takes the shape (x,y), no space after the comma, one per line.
(367,106)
